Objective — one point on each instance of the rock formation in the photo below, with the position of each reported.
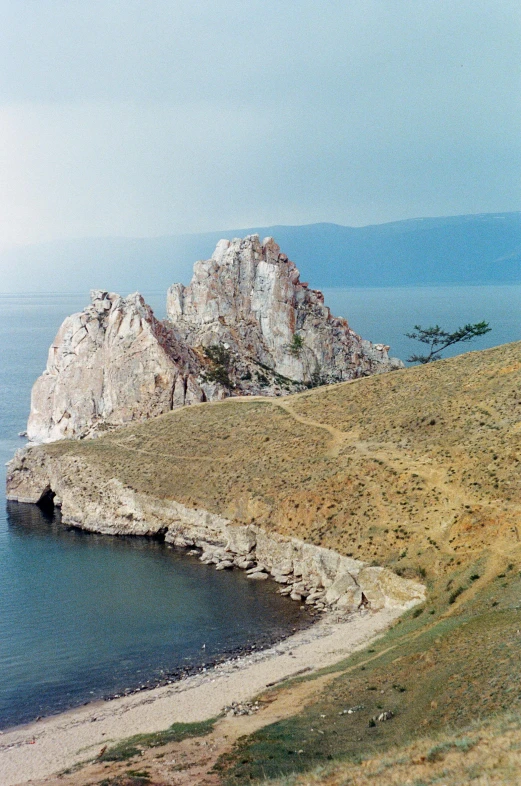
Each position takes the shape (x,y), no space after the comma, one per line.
(111,363)
(309,574)
(246,325)
(249,298)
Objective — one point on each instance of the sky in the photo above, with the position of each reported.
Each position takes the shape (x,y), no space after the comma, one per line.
(151,117)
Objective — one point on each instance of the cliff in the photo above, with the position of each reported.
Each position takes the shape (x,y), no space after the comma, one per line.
(95,501)
(114,362)
(245,325)
(395,470)
(249,297)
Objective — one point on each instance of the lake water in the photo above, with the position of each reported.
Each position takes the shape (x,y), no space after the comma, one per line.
(385,315)
(84,616)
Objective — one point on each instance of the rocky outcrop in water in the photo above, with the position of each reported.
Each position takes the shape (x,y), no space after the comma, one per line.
(112,363)
(246,325)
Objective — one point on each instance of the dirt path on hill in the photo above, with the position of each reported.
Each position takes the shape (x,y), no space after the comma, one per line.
(453,494)
(176,456)
(435,477)
(500,553)
(338,437)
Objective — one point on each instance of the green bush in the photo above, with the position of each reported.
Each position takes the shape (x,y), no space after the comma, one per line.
(220,359)
(457,592)
(296,346)
(134,746)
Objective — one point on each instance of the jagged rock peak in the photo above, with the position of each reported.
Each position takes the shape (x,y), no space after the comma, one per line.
(111,363)
(248,296)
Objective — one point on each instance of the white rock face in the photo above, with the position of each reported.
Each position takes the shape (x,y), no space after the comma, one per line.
(249,297)
(246,325)
(323,576)
(108,365)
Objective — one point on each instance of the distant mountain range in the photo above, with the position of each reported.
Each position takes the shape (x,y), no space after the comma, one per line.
(474,249)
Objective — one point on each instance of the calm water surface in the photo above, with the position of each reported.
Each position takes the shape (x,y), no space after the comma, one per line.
(83,616)
(385,315)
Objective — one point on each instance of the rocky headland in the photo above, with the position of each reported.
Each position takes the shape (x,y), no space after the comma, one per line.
(332,491)
(308,573)
(246,325)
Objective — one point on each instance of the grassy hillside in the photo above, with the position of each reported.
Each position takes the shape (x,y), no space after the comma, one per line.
(417,469)
(444,674)
(486,752)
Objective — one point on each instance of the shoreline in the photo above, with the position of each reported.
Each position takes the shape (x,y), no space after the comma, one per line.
(177,675)
(58,742)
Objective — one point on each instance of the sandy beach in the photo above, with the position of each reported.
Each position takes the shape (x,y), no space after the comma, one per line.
(56,743)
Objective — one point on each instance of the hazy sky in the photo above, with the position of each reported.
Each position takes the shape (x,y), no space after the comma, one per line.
(147,117)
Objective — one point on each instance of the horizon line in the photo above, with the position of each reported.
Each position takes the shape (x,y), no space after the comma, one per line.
(80,238)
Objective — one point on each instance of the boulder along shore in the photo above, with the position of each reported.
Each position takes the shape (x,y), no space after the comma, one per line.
(310,574)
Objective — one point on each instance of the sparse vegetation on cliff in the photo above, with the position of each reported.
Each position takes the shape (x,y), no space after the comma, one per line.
(218,370)
(296,346)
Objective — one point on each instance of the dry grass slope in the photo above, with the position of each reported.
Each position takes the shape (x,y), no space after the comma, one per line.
(486,753)
(417,470)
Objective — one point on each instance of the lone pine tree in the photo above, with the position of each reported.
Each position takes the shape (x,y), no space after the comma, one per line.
(438,339)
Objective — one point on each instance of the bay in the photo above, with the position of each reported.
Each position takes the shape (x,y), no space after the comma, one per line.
(83,616)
